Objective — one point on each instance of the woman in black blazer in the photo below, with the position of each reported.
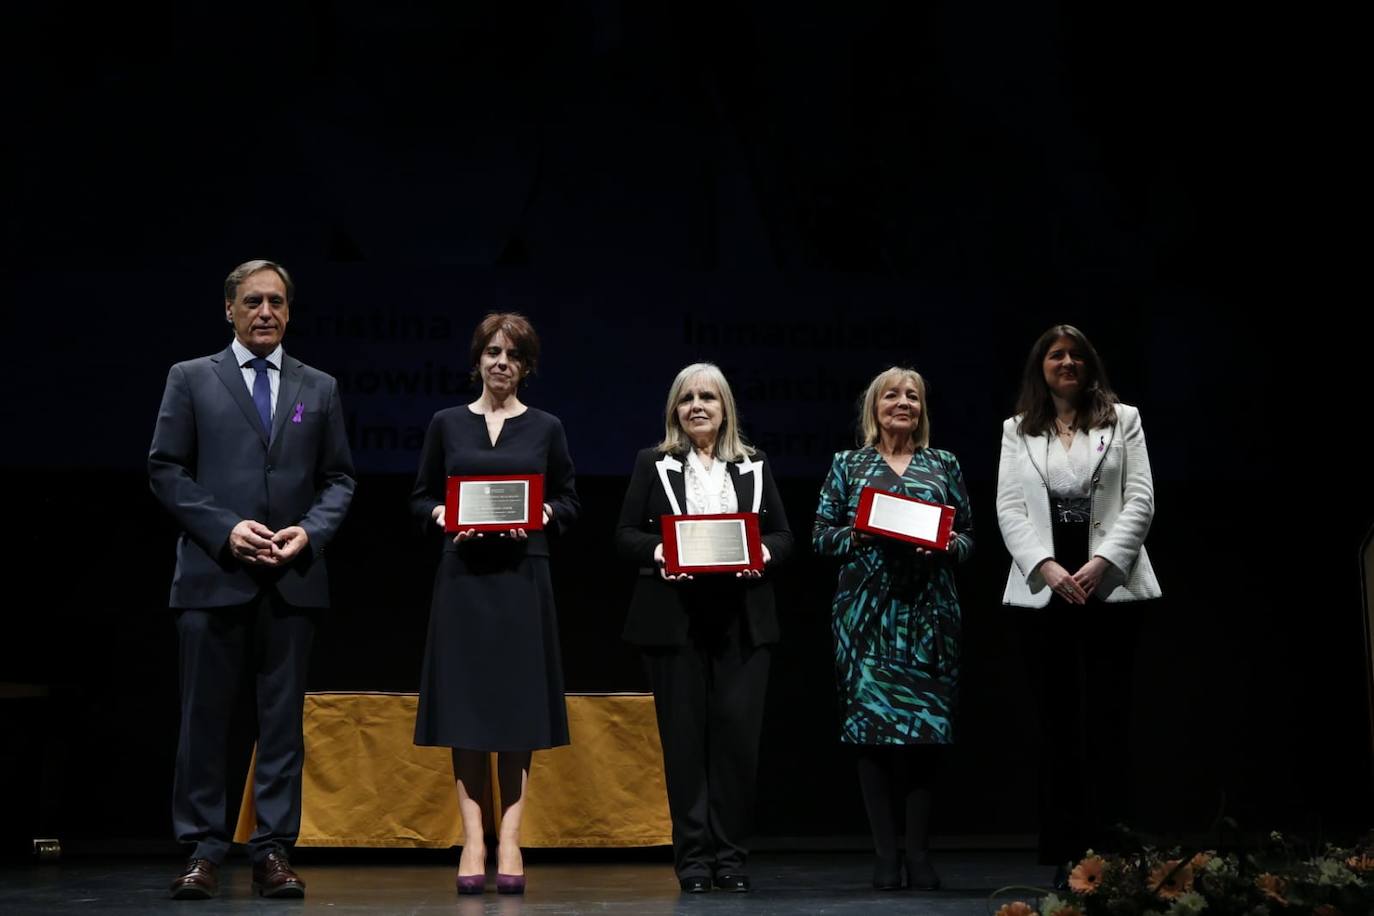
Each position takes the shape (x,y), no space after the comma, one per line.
(706,639)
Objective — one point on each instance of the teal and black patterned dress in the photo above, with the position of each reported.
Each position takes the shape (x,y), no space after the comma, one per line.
(895,619)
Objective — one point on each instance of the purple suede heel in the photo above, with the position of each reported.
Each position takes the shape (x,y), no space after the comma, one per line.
(471,884)
(510,884)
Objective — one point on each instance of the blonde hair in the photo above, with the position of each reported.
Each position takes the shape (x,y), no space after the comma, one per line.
(730,445)
(868,406)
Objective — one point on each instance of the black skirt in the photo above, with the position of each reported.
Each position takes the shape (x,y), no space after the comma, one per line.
(493,674)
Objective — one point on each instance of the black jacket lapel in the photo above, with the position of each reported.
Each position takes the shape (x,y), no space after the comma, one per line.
(288,388)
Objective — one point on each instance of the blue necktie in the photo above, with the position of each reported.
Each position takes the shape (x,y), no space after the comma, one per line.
(262,393)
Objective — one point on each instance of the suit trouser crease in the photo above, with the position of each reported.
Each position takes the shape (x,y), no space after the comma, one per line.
(219,648)
(709,700)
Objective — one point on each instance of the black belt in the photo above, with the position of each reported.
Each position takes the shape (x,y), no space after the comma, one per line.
(1070,509)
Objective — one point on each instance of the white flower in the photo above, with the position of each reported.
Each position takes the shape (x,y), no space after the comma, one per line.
(1333,873)
(1219,866)
(1189,903)
(1051,905)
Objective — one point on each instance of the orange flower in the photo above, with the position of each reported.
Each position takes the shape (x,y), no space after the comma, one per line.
(1016,908)
(1199,861)
(1273,887)
(1086,875)
(1168,883)
(1363,862)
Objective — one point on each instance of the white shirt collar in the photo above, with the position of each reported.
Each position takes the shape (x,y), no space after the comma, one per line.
(243,355)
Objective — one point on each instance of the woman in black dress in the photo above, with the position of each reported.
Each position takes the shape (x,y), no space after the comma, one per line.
(706,639)
(493,678)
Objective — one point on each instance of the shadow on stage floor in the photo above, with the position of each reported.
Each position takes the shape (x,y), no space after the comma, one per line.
(829,883)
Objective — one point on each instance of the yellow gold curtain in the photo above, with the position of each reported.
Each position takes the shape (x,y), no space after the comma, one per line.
(366,784)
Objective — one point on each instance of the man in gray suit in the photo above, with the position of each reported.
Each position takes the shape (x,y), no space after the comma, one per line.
(251,458)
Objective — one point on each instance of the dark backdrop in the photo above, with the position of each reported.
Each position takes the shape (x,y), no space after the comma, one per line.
(802,192)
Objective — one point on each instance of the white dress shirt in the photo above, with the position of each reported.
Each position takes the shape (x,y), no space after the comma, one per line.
(244,355)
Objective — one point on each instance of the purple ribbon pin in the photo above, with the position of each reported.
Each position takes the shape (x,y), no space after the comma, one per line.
(1101,440)
(300,408)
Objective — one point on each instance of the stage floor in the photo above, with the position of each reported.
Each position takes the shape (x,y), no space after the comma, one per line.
(784,883)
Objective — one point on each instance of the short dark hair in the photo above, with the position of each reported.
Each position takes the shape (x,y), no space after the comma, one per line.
(1034,404)
(247,269)
(521,333)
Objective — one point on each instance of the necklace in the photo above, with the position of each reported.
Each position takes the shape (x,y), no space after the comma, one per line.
(699,489)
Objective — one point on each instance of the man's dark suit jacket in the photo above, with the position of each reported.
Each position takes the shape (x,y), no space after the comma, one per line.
(212,465)
(659,613)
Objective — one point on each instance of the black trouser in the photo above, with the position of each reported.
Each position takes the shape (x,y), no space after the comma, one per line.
(269,640)
(709,697)
(1081,660)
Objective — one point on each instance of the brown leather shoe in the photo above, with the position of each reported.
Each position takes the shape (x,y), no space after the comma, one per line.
(273,877)
(200,881)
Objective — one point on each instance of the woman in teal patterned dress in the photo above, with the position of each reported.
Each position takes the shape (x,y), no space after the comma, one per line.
(895,619)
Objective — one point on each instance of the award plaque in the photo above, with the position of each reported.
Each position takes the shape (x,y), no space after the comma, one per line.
(495,503)
(711,543)
(905,518)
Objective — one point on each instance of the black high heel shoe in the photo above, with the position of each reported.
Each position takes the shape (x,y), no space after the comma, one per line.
(739,884)
(887,874)
(921,875)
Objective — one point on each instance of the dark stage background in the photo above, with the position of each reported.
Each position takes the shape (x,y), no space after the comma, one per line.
(802,192)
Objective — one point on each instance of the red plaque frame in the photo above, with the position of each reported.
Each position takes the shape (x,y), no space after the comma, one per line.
(536,503)
(751,534)
(861,519)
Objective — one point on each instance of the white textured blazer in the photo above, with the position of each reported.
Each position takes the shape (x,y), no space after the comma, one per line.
(1123,504)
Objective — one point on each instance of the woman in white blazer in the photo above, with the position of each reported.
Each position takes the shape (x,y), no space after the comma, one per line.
(1074,501)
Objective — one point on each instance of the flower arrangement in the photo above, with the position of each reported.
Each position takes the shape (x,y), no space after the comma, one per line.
(1281,878)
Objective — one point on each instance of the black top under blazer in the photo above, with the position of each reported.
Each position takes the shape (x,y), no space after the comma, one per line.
(660,610)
